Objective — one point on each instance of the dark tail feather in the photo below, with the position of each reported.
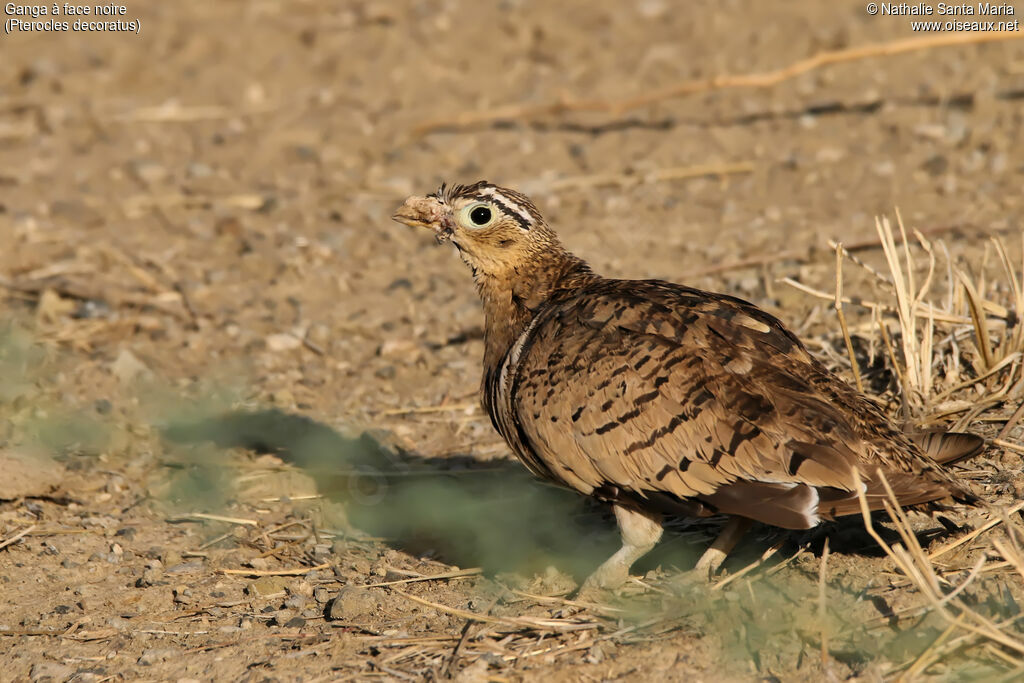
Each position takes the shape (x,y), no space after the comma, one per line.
(947,448)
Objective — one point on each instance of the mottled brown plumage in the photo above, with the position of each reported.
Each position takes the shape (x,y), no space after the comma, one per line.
(661,398)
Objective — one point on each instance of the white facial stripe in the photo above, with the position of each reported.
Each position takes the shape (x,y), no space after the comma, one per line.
(506,201)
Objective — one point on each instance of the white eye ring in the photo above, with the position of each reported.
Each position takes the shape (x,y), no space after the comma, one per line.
(478,215)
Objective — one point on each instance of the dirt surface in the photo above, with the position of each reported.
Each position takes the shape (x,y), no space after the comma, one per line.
(195,220)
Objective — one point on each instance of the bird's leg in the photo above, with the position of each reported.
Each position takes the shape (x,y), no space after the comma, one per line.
(640,532)
(727,539)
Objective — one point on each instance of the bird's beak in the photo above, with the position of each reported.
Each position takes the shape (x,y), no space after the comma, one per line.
(423,212)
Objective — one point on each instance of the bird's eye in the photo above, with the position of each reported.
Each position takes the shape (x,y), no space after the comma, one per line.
(480,215)
(477,215)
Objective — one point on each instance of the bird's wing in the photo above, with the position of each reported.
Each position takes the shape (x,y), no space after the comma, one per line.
(661,394)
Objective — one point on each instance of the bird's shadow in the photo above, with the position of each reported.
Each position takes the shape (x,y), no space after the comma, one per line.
(491,514)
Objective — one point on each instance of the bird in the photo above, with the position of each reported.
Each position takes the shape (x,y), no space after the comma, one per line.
(661,399)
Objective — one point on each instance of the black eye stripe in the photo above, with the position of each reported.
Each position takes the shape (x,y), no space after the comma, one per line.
(514,204)
(505,209)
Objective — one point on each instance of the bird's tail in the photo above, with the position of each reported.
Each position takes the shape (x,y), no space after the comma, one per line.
(947,448)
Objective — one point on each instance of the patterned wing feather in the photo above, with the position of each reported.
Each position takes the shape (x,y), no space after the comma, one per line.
(682,400)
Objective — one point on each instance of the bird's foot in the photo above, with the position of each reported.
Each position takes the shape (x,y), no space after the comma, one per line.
(640,532)
(701,577)
(607,577)
(709,563)
(714,556)
(600,585)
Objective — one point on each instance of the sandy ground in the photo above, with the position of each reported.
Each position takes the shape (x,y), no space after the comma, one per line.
(195,220)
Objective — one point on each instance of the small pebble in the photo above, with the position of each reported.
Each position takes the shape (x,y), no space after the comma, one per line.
(319,334)
(267,585)
(150,172)
(127,368)
(386,372)
(50,671)
(936,165)
(156,655)
(400,283)
(149,577)
(120,623)
(353,603)
(282,342)
(283,617)
(196,169)
(295,602)
(302,587)
(400,349)
(92,308)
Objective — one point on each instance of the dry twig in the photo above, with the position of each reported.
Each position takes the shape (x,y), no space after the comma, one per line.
(207,517)
(822,611)
(536,623)
(298,571)
(17,537)
(457,574)
(917,566)
(657,176)
(838,305)
(974,534)
(750,567)
(723,82)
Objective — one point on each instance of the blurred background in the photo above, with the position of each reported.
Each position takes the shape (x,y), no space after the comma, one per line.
(202,209)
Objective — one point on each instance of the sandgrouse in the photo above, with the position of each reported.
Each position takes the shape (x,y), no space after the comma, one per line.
(663,399)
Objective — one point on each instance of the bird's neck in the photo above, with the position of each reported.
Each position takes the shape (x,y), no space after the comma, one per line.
(511,300)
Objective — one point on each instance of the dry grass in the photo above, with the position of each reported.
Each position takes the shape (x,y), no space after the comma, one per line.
(960,357)
(969,342)
(966,625)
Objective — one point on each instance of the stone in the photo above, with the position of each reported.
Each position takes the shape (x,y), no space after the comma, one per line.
(156,655)
(51,307)
(353,603)
(50,671)
(128,368)
(282,342)
(267,585)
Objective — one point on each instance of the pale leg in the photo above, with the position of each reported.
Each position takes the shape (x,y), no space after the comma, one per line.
(727,539)
(640,532)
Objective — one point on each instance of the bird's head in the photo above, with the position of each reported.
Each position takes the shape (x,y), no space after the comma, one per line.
(496,230)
